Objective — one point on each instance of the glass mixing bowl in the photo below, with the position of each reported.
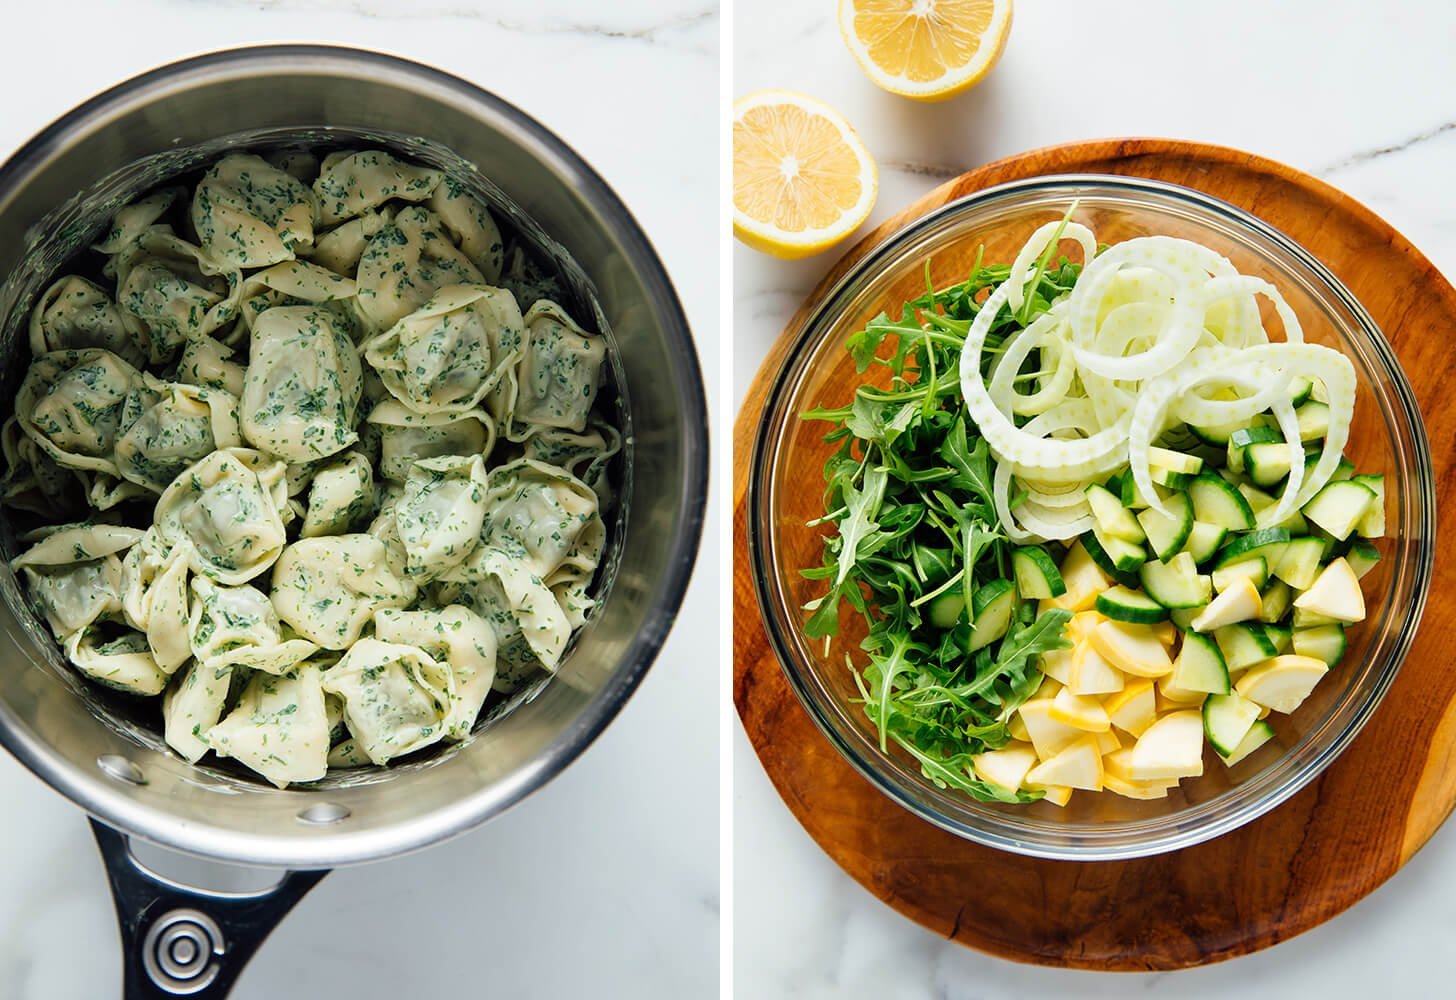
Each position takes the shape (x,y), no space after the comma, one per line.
(784,492)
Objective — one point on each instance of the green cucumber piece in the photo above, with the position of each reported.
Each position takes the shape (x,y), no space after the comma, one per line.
(1308,619)
(1343,471)
(1362,557)
(945,610)
(1183,617)
(1300,563)
(1259,734)
(1037,577)
(1204,540)
(1339,507)
(1113,519)
(1314,420)
(1218,502)
(1113,554)
(992,607)
(1177,583)
(1200,666)
(1301,388)
(1275,601)
(1323,642)
(1174,461)
(1266,542)
(1244,645)
(1127,605)
(1257,498)
(1167,533)
(1372,525)
(1227,719)
(1282,636)
(1266,464)
(1172,480)
(1256,568)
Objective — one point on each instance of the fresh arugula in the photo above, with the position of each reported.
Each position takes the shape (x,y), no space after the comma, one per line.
(908,490)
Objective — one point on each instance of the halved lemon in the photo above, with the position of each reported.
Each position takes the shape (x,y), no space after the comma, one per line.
(802,180)
(926,49)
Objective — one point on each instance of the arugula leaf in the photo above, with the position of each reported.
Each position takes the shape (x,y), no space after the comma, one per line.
(862,505)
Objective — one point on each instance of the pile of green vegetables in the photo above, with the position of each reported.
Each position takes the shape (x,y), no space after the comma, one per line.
(919,550)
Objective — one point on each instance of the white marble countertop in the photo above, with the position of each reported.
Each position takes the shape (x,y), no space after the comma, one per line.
(624,900)
(1359,95)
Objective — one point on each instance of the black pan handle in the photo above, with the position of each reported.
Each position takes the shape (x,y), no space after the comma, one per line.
(179,941)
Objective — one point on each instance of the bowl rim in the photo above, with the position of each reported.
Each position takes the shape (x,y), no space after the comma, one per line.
(314,848)
(867,765)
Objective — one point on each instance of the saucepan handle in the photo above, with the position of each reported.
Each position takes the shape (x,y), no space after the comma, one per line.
(179,941)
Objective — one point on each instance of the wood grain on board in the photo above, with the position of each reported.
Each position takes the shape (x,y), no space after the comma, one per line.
(1282,874)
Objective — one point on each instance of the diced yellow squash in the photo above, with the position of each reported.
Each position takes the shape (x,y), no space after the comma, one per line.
(1108,742)
(1171,748)
(1082,711)
(1048,735)
(1047,690)
(1335,594)
(1134,708)
(1006,768)
(1166,632)
(1079,765)
(1017,728)
(1084,580)
(1177,695)
(1283,682)
(1092,674)
(1239,603)
(1133,649)
(1135,789)
(1056,794)
(1057,665)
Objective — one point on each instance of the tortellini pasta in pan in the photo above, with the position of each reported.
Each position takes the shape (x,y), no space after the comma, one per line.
(310,452)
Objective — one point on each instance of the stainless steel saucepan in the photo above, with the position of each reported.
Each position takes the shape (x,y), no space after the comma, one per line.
(105,754)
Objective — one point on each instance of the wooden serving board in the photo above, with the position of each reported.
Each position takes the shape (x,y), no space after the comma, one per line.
(1286,872)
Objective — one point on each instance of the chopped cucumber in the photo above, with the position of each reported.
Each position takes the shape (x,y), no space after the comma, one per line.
(1282,636)
(1314,420)
(1218,502)
(1172,480)
(1323,642)
(1126,605)
(1301,387)
(1132,497)
(992,607)
(1227,719)
(1266,464)
(1037,577)
(1276,599)
(1372,525)
(946,609)
(1343,471)
(1266,542)
(1339,507)
(1254,568)
(1204,540)
(1258,500)
(1175,461)
(1113,519)
(1116,557)
(1362,557)
(1183,617)
(1309,619)
(1300,563)
(1167,533)
(1177,583)
(1259,734)
(1200,666)
(1244,645)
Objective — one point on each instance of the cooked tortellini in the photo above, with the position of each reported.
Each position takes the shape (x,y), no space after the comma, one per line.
(303,384)
(249,213)
(311,455)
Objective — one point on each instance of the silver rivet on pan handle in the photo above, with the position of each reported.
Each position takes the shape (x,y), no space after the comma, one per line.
(181,950)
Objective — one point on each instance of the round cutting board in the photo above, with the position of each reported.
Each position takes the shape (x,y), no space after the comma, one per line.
(1282,874)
